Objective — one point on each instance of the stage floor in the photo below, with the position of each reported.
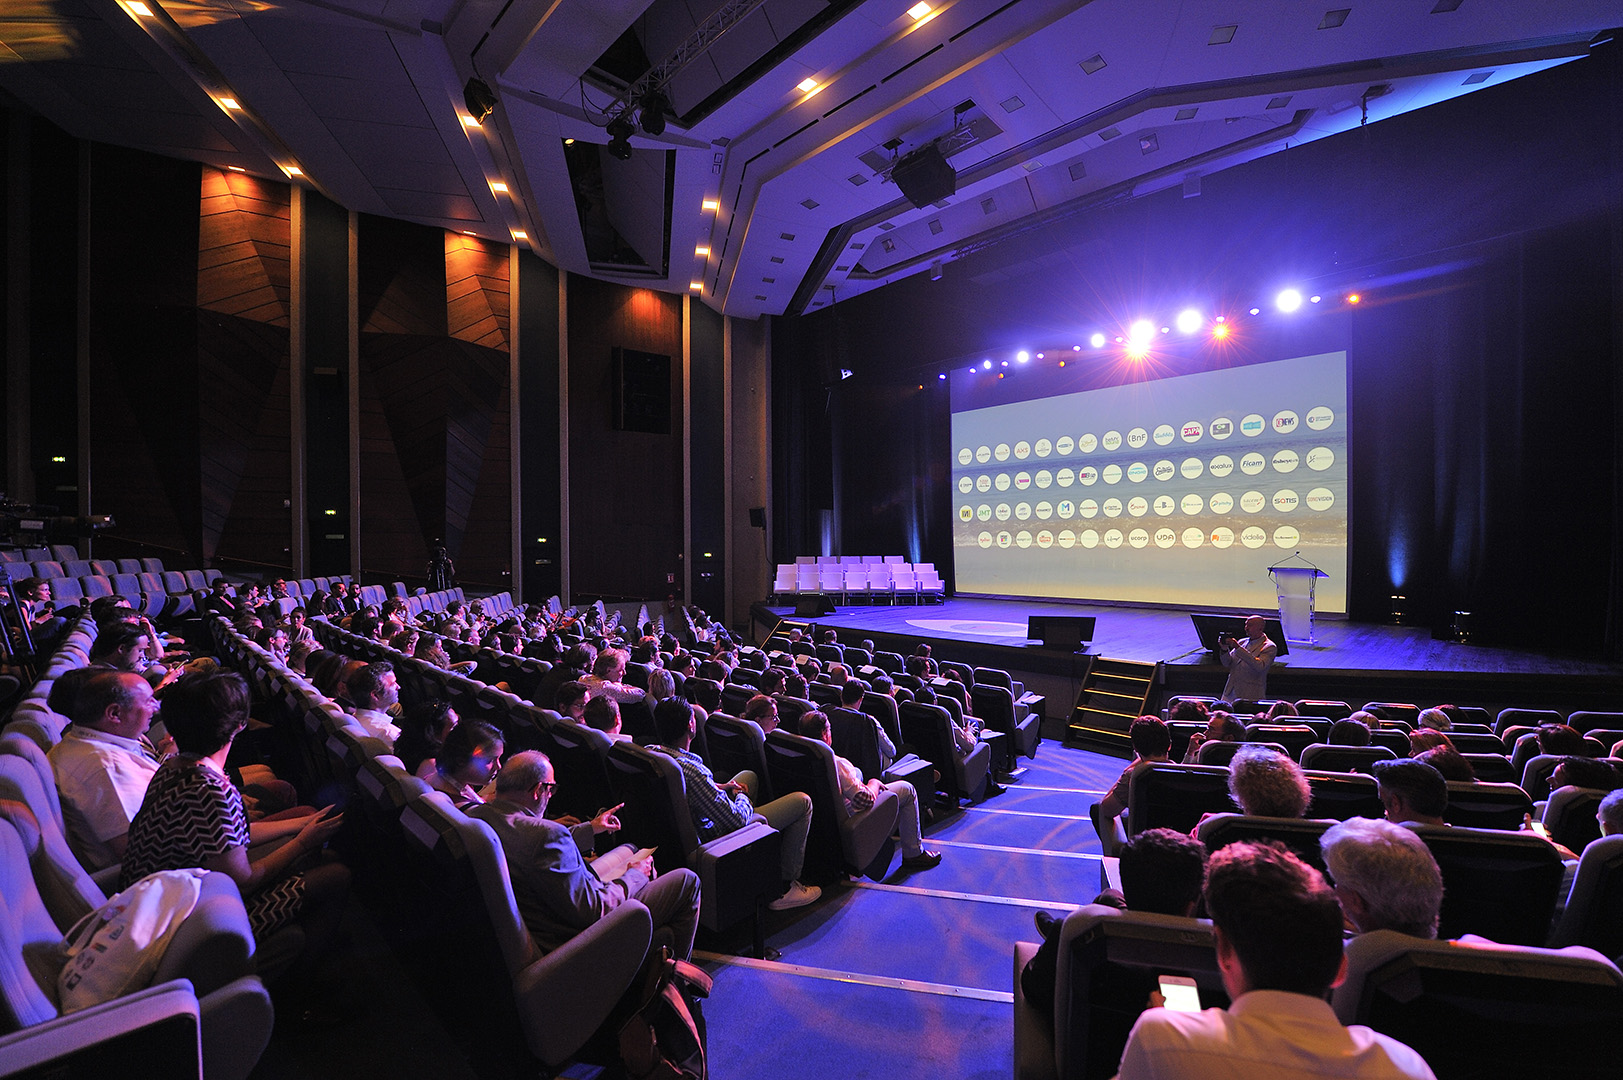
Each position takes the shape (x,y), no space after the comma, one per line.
(1168,636)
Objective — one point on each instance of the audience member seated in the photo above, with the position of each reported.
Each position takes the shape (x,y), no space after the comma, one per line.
(1279,712)
(1574,770)
(423,730)
(1162,871)
(771,681)
(104,763)
(1559,739)
(373,689)
(1449,762)
(1278,931)
(469,758)
(571,698)
(661,685)
(718,809)
(763,711)
(608,677)
(557,891)
(603,714)
(1220,727)
(1266,783)
(1423,739)
(193,817)
(1610,814)
(1384,875)
(1151,742)
(1348,732)
(1435,719)
(851,696)
(861,794)
(1411,792)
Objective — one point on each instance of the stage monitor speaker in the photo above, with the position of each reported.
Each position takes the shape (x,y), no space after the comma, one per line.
(1210,627)
(757,517)
(1061,631)
(924,176)
(813,604)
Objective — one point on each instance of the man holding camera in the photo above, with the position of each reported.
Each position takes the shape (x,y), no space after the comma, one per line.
(1248,662)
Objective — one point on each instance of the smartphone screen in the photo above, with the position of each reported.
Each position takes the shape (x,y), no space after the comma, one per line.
(1180,993)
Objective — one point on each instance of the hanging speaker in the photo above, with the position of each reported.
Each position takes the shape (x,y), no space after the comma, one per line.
(924,176)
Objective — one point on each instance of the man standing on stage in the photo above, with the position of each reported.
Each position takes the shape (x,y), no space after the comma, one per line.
(1248,662)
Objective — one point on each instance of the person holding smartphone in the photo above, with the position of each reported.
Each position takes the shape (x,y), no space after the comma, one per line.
(1248,661)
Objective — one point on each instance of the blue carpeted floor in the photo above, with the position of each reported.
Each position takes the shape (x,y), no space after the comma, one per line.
(911,977)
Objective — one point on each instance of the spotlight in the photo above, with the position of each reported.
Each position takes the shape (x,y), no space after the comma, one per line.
(1097,341)
(1354,299)
(1140,333)
(479,98)
(942,376)
(1256,311)
(1314,299)
(987,364)
(1078,348)
(620,132)
(651,110)
(1288,300)
(1220,331)
(1188,321)
(1005,363)
(1039,356)
(1022,356)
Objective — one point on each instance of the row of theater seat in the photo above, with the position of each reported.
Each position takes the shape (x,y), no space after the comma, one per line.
(206,1010)
(865,576)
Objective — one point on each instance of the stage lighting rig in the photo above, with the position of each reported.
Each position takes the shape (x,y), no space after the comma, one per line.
(620,132)
(479,98)
(651,109)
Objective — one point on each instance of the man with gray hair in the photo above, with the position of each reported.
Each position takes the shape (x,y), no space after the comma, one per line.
(103,764)
(1384,875)
(558,892)
(1610,814)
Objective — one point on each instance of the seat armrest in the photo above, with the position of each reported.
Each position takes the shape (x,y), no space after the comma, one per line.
(215,944)
(159,1023)
(565,995)
(237,1021)
(1033,1039)
(735,871)
(864,833)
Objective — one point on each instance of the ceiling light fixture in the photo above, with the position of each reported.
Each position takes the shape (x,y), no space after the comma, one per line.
(294,170)
(806,85)
(136,7)
(230,104)
(710,204)
(520,234)
(651,110)
(479,98)
(918,11)
(498,187)
(620,132)
(702,251)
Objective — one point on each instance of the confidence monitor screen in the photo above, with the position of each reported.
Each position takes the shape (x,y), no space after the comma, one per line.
(1178,491)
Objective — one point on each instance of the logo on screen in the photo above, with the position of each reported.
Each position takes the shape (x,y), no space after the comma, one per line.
(1022,539)
(1138,538)
(1001,451)
(1065,445)
(1044,447)
(1285,536)
(1045,539)
(1022,480)
(1320,417)
(1022,449)
(1045,510)
(1191,467)
(1138,506)
(1221,428)
(1221,466)
(1088,475)
(1004,539)
(1089,508)
(1320,458)
(1113,538)
(1165,538)
(1286,461)
(1089,538)
(1192,431)
(1065,477)
(1137,471)
(983,454)
(1253,537)
(1252,501)
(1193,538)
(984,539)
(1001,482)
(1164,505)
(1066,508)
(1087,444)
(984,512)
(1067,538)
(1164,469)
(1222,537)
(1137,438)
(1112,508)
(1111,441)
(1164,435)
(1320,499)
(1221,503)
(1285,421)
(1022,511)
(1251,464)
(1251,425)
(983,482)
(1112,474)
(965,456)
(1044,478)
(1003,511)
(966,513)
(1286,500)
(965,485)
(1192,504)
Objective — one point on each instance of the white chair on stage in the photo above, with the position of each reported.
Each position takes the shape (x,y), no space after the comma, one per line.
(879,581)
(856,581)
(904,583)
(831,580)
(783,583)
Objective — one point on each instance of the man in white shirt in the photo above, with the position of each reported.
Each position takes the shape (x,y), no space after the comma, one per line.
(1278,931)
(1248,661)
(103,764)
(860,795)
(374,688)
(608,677)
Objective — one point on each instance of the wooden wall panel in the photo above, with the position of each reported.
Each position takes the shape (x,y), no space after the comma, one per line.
(243,247)
(402,278)
(244,430)
(477,295)
(625,499)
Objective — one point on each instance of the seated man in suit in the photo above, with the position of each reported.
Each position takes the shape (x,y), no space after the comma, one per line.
(1278,931)
(557,891)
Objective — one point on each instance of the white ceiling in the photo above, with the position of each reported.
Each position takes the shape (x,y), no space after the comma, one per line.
(365,98)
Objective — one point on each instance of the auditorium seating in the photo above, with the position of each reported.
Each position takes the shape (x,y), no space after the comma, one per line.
(1326,758)
(840,841)
(1593,915)
(1500,885)
(926,730)
(1299,834)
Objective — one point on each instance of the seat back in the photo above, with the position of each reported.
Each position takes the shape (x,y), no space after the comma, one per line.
(882,707)
(1486,1010)
(1492,768)
(926,728)
(1483,805)
(1515,717)
(1213,752)
(1168,796)
(1329,710)
(833,844)
(1293,737)
(1391,738)
(1569,816)
(580,760)
(1467,742)
(856,740)
(28,936)
(1594,912)
(655,813)
(736,746)
(1342,796)
(1298,834)
(1359,759)
(1501,885)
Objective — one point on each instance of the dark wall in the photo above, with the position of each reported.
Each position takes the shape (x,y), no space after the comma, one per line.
(707,496)
(625,499)
(541,500)
(1483,367)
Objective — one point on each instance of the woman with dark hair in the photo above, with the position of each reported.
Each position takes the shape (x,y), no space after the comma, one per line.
(193,817)
(423,730)
(469,759)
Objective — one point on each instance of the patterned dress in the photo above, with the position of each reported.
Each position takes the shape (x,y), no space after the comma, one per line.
(191,814)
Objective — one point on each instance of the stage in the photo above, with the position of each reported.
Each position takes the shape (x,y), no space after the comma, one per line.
(1353,662)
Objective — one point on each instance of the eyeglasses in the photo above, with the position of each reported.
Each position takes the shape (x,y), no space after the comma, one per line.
(549,786)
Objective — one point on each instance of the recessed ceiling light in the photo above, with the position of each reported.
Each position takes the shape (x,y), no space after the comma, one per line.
(1477,78)
(1011,104)
(703,251)
(696,286)
(789,236)
(468,232)
(1333,19)
(569,142)
(498,187)
(935,226)
(806,85)
(1094,63)
(236,168)
(1186,114)
(1279,102)
(810,204)
(294,170)
(709,204)
(918,11)
(138,8)
(469,122)
(1078,170)
(520,234)
(229,103)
